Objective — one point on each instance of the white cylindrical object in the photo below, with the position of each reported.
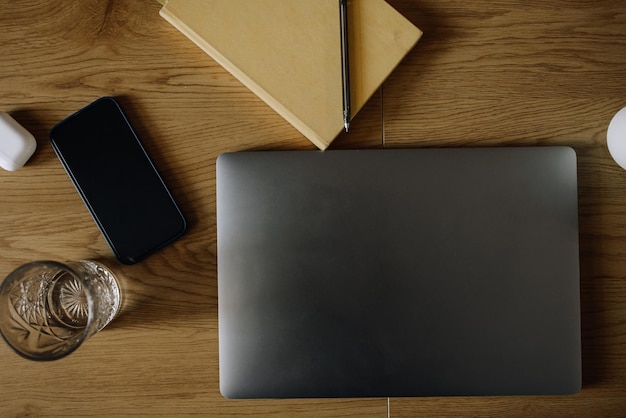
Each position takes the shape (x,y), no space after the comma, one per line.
(616,138)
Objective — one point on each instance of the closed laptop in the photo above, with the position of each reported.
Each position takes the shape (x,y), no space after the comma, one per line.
(375,273)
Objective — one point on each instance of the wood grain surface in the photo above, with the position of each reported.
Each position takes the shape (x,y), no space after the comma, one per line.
(486,73)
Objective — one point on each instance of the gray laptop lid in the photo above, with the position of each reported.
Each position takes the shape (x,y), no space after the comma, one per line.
(422,272)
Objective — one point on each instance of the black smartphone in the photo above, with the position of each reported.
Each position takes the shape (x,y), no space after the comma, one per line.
(117,180)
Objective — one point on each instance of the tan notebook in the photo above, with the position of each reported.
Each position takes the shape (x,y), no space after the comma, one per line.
(288,52)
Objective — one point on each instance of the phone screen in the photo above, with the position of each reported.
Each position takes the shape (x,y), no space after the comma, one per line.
(117,180)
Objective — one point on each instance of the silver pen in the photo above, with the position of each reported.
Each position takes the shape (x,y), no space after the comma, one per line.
(345,64)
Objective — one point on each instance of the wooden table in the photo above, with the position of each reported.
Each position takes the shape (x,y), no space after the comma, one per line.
(485,73)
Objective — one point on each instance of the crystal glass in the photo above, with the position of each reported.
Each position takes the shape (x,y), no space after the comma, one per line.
(48,309)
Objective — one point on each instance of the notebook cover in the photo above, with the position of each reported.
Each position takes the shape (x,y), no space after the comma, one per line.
(288,52)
